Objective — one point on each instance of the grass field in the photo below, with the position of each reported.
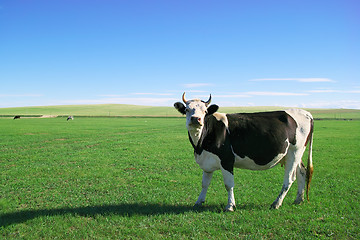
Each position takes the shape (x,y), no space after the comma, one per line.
(135,178)
(111,110)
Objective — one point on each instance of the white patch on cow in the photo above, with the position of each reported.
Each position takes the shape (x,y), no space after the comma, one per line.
(302,119)
(222,117)
(208,161)
(248,163)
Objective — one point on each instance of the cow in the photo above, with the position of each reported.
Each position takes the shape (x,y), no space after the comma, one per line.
(16,117)
(255,141)
(70,118)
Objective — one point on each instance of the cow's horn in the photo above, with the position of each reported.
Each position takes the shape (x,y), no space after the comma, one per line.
(208,101)
(183,97)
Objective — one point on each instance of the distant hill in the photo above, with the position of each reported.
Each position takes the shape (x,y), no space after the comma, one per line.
(114,110)
(91,110)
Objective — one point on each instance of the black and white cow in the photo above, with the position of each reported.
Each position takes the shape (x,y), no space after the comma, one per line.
(255,141)
(70,118)
(16,117)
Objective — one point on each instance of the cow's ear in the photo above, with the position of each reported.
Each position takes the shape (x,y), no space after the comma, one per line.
(212,109)
(180,107)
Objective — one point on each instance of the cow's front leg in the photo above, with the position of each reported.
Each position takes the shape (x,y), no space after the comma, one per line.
(229,185)
(206,179)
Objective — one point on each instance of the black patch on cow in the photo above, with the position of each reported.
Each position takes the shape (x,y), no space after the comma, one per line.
(215,139)
(261,136)
(180,107)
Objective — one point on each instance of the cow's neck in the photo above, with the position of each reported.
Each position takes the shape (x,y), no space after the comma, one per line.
(195,134)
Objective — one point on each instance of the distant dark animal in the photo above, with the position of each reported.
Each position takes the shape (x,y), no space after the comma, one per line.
(70,118)
(17,117)
(255,141)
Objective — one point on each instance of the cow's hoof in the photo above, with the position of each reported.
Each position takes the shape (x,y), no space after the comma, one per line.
(230,208)
(298,201)
(197,206)
(274,206)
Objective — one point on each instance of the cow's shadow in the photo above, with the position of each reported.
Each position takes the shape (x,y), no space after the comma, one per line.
(127,210)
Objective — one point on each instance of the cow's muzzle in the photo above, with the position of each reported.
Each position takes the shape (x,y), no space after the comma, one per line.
(195,121)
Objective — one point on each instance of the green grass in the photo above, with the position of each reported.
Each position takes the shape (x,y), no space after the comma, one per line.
(134,178)
(112,110)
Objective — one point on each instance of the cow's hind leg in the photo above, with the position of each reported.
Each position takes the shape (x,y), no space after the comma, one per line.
(301,180)
(289,178)
(206,179)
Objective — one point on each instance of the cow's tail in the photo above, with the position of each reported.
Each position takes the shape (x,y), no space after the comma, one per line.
(310,168)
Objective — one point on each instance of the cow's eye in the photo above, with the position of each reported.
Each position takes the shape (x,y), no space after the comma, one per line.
(186,110)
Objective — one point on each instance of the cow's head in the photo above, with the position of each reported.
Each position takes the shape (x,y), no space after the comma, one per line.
(195,111)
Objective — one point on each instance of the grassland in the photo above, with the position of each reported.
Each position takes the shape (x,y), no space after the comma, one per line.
(113,110)
(135,178)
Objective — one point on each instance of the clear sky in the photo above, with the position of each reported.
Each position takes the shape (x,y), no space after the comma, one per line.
(298,53)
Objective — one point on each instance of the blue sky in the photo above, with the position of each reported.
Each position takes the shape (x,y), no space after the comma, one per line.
(245,53)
